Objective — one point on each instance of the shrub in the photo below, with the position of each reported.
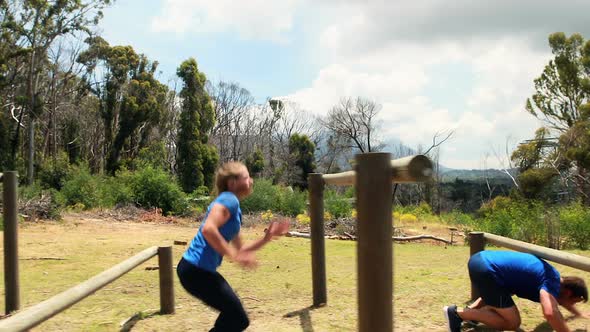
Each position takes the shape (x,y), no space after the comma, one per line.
(115,191)
(53,172)
(264,197)
(575,225)
(81,187)
(153,187)
(457,218)
(517,219)
(423,211)
(290,202)
(337,205)
(303,219)
(408,218)
(267,215)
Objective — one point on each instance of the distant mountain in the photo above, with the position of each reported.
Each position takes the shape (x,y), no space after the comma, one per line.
(477,175)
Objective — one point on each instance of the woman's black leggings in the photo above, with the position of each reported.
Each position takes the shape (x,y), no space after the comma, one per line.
(211,288)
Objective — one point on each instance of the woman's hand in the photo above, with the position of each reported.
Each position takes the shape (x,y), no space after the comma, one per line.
(277,228)
(246,259)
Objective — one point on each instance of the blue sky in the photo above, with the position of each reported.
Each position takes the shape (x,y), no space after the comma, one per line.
(434,65)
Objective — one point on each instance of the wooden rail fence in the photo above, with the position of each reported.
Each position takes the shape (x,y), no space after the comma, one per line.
(35,315)
(373,177)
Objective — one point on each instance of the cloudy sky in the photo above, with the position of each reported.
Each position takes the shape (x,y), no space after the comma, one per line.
(434,65)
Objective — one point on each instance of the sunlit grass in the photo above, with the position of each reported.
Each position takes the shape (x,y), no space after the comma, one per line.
(277,295)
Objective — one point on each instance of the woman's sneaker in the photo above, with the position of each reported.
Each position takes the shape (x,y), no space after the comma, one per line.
(453,319)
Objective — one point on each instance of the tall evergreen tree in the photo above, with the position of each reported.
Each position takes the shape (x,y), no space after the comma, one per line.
(196,159)
(302,151)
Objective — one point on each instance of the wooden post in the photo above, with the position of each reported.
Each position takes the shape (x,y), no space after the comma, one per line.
(166,280)
(11,275)
(318,252)
(477,243)
(374,246)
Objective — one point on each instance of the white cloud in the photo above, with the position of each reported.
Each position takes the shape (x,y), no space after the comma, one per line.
(250,19)
(398,78)
(389,51)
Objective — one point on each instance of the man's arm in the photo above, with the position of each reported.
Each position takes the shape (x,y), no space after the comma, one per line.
(572,308)
(551,312)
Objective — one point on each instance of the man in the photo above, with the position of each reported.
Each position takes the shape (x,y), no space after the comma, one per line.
(498,275)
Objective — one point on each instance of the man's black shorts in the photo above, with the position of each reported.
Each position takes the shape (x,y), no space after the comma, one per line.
(492,293)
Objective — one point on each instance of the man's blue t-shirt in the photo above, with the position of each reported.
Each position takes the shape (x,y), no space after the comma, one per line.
(522,274)
(200,253)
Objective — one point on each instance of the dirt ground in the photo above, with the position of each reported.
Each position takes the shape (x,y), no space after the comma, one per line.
(55,256)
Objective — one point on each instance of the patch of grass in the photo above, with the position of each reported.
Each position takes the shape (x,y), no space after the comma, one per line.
(277,295)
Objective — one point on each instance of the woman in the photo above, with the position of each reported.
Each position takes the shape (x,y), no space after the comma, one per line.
(197,268)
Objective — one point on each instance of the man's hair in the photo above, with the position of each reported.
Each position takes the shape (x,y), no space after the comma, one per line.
(577,286)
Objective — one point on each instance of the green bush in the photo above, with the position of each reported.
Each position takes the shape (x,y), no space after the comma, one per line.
(53,172)
(153,187)
(264,197)
(291,202)
(115,191)
(517,219)
(457,218)
(280,199)
(338,205)
(575,225)
(81,188)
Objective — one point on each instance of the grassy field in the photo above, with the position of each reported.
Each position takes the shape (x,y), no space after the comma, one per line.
(277,295)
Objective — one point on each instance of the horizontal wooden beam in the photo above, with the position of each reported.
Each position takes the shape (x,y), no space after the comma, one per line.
(404,170)
(557,256)
(33,316)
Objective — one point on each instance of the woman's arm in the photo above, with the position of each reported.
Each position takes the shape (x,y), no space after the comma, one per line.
(217,217)
(276,228)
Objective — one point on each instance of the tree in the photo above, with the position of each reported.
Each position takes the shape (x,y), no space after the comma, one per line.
(354,121)
(564,84)
(302,150)
(142,105)
(561,98)
(231,104)
(196,159)
(255,162)
(37,25)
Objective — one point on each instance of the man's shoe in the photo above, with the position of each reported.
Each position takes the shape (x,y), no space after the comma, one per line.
(453,319)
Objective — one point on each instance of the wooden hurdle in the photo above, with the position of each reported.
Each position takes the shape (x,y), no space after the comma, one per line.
(35,315)
(373,177)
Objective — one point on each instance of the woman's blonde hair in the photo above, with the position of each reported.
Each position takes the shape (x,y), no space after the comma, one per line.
(225,172)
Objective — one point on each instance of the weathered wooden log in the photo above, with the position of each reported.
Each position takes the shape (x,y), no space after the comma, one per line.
(420,237)
(404,170)
(298,234)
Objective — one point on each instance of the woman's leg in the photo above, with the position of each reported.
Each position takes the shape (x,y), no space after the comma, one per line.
(213,290)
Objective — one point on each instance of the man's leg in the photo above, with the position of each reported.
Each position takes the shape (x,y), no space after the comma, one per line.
(477,304)
(497,318)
